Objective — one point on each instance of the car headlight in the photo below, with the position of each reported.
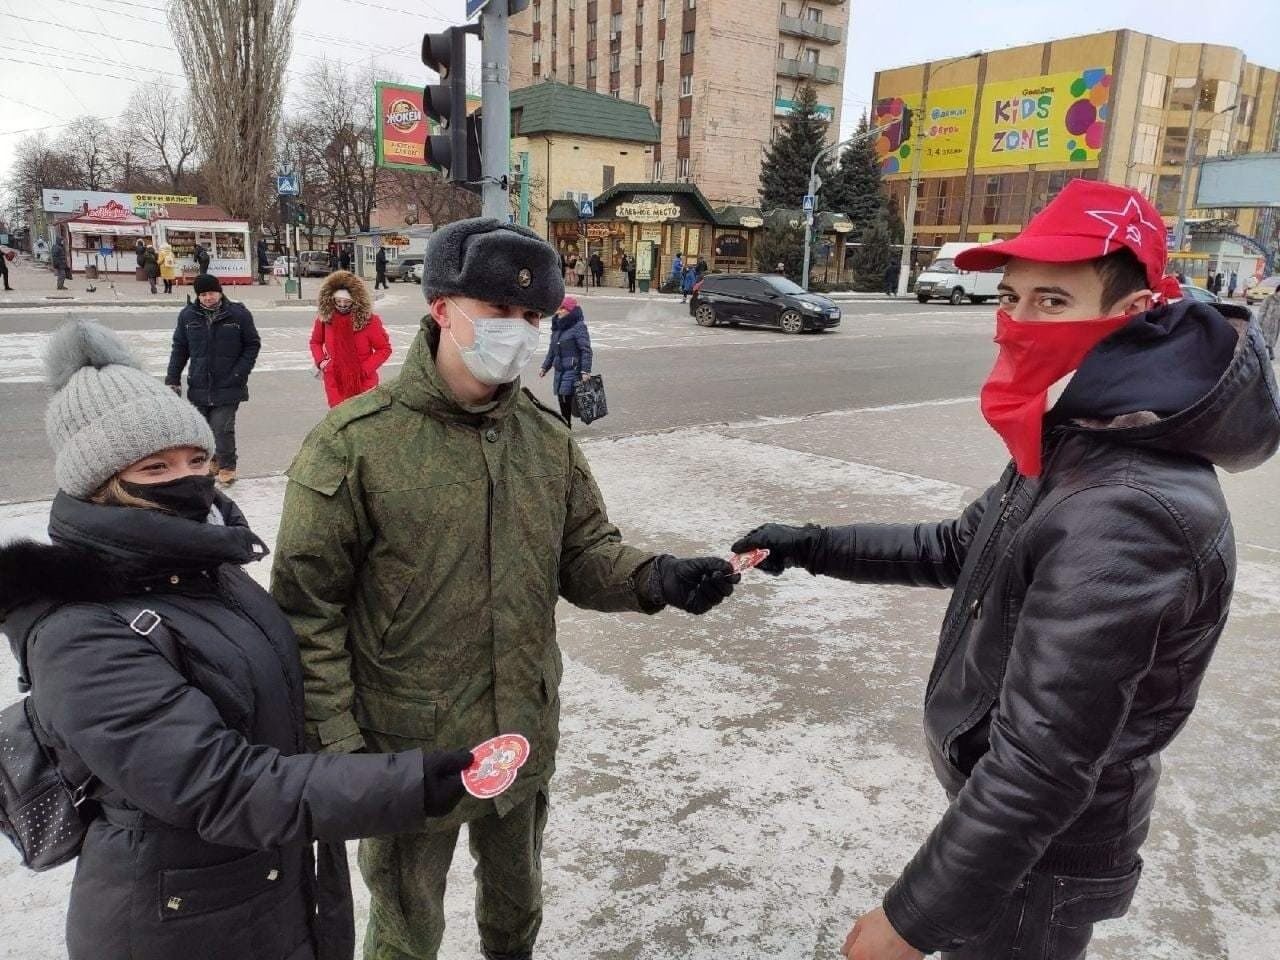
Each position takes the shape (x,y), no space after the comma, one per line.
(811,308)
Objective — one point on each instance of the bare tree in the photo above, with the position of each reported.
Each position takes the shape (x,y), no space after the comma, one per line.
(234,53)
(39,165)
(438,201)
(158,126)
(87,142)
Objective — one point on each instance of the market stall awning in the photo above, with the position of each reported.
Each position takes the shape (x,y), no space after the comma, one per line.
(109,214)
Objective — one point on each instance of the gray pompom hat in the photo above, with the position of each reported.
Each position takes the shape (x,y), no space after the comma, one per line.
(487,259)
(106,413)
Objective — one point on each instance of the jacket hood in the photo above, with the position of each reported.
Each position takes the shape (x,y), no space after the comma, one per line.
(362,302)
(1187,378)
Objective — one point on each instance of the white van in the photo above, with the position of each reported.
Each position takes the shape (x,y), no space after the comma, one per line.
(941,279)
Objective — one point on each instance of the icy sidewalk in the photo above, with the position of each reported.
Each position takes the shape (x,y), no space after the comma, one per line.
(745,784)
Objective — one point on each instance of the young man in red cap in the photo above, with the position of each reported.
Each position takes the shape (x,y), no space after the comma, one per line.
(1090,584)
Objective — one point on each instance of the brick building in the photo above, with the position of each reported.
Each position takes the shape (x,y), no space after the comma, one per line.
(716,75)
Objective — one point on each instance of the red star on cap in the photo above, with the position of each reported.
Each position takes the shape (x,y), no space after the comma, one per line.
(1126,218)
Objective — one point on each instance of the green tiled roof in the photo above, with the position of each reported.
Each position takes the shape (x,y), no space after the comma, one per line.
(562,210)
(551,107)
(731,216)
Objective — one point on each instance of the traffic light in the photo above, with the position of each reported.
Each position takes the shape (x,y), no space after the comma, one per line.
(292,211)
(456,149)
(299,214)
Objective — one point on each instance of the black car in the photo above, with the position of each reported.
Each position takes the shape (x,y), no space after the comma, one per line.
(763,300)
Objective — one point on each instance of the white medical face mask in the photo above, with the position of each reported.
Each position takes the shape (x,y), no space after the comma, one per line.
(503,347)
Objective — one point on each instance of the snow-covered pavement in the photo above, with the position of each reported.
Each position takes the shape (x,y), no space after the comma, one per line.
(745,784)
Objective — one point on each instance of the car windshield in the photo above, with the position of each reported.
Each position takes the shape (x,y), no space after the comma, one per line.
(946,265)
(783,285)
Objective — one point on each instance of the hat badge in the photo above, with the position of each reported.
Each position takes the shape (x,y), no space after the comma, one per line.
(524,278)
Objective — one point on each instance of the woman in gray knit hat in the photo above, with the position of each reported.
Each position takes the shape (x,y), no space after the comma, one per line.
(161,668)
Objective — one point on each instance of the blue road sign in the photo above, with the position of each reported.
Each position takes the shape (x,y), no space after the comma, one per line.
(587,209)
(475,6)
(287,184)
(808,203)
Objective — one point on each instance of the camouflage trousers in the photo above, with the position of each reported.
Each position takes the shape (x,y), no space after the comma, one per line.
(406,876)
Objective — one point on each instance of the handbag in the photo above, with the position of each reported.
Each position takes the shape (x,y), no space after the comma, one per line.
(589,401)
(42,797)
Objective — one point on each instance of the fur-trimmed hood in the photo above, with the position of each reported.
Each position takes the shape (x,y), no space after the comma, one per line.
(346,280)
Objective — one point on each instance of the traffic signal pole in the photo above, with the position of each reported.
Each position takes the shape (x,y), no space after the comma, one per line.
(495,117)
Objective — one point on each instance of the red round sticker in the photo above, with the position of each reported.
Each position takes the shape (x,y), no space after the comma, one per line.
(496,763)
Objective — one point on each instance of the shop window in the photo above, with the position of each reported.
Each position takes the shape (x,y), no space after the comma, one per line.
(686,42)
(686,85)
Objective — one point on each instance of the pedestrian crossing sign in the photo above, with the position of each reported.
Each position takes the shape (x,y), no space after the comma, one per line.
(287,184)
(808,203)
(587,209)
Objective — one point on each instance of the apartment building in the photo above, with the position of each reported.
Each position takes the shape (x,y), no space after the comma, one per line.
(716,75)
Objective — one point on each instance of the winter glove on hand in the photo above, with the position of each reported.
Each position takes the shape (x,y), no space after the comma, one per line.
(442,780)
(176,388)
(694,586)
(787,546)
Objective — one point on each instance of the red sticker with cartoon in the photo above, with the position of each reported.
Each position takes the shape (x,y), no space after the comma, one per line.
(496,763)
(742,562)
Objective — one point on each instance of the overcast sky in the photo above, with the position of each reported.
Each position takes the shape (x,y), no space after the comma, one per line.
(85,56)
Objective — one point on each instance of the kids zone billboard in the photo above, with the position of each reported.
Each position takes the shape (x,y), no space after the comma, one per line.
(1058,118)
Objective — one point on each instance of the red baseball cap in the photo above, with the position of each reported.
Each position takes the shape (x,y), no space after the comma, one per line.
(1087,220)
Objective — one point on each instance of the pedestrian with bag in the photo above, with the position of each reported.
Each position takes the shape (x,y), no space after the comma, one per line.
(430,527)
(221,342)
(168,267)
(569,355)
(1090,584)
(166,688)
(348,340)
(151,266)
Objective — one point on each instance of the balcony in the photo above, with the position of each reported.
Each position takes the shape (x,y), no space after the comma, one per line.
(811,30)
(802,69)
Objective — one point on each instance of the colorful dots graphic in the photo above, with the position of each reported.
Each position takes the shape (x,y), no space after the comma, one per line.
(1080,116)
(1077,155)
(1093,136)
(1078,87)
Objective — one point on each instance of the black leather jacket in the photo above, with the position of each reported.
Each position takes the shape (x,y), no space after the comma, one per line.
(1087,604)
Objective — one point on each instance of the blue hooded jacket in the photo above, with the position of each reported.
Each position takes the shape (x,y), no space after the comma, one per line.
(570,350)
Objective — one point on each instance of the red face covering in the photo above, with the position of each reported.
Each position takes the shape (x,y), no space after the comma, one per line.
(1033,357)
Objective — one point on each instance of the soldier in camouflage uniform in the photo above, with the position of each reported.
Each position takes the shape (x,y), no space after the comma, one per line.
(429,528)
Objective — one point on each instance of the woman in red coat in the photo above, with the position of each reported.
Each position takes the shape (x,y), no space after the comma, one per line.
(348,342)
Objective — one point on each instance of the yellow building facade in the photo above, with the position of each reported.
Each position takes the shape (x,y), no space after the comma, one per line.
(1005,130)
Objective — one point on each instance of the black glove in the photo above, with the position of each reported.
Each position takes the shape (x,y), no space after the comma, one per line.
(442,780)
(175,387)
(694,586)
(787,546)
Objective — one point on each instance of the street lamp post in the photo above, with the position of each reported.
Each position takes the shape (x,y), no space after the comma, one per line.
(917,162)
(815,183)
(1188,162)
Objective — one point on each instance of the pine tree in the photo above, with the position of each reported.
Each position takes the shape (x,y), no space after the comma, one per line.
(784,176)
(873,257)
(856,187)
(781,244)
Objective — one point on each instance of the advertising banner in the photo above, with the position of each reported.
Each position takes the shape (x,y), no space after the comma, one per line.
(948,130)
(401,129)
(1059,118)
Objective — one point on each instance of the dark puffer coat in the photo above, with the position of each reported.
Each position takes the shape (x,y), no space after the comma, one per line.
(1087,604)
(201,849)
(570,350)
(222,346)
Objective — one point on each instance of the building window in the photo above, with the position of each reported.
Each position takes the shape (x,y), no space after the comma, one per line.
(573,74)
(657,171)
(609,175)
(782,51)
(688,4)
(537,51)
(811,55)
(662,9)
(1153,89)
(1184,93)
(662,49)
(686,42)
(537,13)
(636,95)
(684,126)
(783,8)
(615,23)
(1001,200)
(657,94)
(686,85)
(777,92)
(1144,149)
(639,55)
(640,15)
(815,15)
(615,62)
(1145,183)
(591,68)
(684,161)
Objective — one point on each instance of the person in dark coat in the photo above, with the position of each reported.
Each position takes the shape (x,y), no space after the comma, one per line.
(1232,281)
(140,252)
(702,268)
(1090,584)
(631,275)
(597,269)
(161,665)
(202,258)
(344,259)
(569,354)
(222,343)
(891,273)
(5,255)
(151,266)
(380,269)
(263,266)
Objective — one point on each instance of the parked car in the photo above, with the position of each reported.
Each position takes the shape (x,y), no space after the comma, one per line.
(1261,290)
(943,279)
(314,263)
(764,300)
(413,274)
(1191,292)
(399,269)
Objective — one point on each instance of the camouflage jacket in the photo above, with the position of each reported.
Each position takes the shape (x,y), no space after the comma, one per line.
(420,557)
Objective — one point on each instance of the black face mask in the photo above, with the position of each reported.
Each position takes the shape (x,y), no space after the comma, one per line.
(190,497)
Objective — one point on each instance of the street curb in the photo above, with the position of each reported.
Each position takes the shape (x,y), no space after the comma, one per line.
(67,303)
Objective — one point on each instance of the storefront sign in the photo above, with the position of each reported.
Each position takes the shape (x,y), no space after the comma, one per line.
(751,221)
(400,137)
(652,234)
(647,211)
(782,107)
(842,226)
(395,240)
(110,211)
(599,231)
(74,201)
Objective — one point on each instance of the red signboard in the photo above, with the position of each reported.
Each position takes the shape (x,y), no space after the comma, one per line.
(402,127)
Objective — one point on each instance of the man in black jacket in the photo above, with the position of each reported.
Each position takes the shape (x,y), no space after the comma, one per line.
(1090,584)
(222,343)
